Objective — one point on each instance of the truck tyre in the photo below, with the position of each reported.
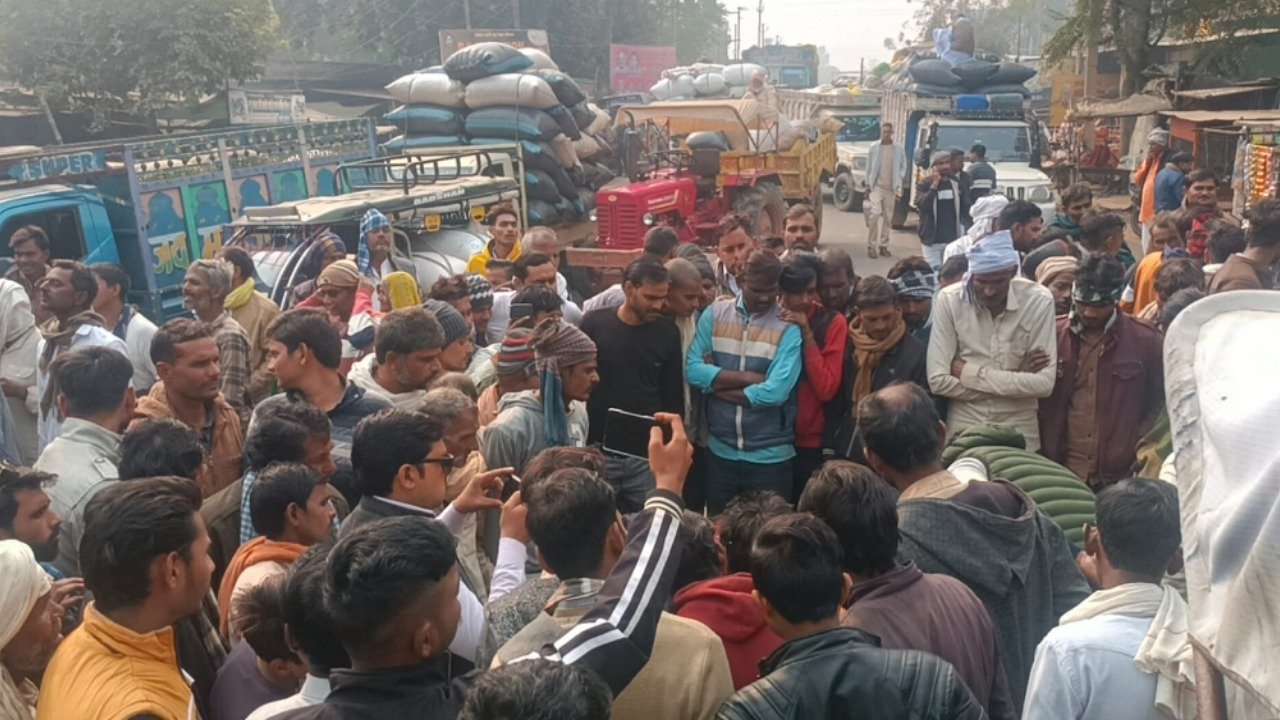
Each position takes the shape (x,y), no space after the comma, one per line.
(764,205)
(843,194)
(900,210)
(817,202)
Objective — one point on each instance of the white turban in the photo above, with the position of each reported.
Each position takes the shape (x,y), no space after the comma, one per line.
(993,253)
(1159,137)
(25,582)
(984,212)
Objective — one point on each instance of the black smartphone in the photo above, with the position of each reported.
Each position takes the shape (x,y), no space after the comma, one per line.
(510,484)
(627,433)
(520,311)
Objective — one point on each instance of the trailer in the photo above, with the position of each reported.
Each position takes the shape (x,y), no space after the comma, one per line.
(858,112)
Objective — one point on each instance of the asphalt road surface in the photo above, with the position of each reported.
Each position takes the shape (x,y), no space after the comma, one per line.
(848,231)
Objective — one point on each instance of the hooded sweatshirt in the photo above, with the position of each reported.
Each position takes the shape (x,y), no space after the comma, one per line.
(361,375)
(1012,556)
(517,434)
(726,606)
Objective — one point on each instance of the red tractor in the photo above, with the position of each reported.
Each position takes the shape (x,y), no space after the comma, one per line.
(679,179)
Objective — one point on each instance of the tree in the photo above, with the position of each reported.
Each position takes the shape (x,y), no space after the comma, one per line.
(1133,27)
(123,55)
(406,32)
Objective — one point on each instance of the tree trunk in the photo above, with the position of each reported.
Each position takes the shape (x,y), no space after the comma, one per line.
(1133,35)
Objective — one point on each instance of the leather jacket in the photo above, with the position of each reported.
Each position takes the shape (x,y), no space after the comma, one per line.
(844,673)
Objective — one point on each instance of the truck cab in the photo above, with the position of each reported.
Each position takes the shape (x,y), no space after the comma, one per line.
(860,129)
(1012,149)
(1001,121)
(74,218)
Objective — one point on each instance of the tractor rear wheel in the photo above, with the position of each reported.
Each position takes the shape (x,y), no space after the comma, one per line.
(764,206)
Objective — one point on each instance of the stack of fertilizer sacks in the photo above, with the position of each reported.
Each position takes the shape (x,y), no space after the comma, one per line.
(704,80)
(984,74)
(493,94)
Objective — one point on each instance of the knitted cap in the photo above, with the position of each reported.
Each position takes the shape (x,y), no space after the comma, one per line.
(558,344)
(515,355)
(480,291)
(455,326)
(1052,267)
(341,274)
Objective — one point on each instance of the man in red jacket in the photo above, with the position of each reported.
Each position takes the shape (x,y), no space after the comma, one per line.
(1110,381)
(725,604)
(824,338)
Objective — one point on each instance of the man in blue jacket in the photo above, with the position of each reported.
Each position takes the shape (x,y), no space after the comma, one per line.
(747,359)
(1171,183)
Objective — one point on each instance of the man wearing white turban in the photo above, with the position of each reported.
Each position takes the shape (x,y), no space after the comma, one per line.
(30,628)
(985,212)
(993,348)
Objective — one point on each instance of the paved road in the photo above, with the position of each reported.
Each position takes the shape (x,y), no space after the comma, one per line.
(848,231)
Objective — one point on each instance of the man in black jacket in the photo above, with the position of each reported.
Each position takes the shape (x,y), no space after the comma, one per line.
(391,588)
(884,352)
(824,670)
(942,202)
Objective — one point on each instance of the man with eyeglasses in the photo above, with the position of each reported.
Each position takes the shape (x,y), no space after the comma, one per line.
(401,468)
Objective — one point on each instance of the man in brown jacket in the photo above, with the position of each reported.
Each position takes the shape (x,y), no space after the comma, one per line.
(1255,268)
(252,309)
(186,358)
(906,608)
(1110,380)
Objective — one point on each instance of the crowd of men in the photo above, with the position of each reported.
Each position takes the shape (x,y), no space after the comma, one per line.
(387,500)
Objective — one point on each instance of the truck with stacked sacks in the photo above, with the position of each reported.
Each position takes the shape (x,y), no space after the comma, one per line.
(492,94)
(939,104)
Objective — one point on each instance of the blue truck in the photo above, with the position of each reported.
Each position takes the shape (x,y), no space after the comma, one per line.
(156,204)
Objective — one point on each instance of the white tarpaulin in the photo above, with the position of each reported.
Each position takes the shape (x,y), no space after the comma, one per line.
(1221,360)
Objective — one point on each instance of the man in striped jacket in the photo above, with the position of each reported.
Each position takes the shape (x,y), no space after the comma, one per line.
(747,359)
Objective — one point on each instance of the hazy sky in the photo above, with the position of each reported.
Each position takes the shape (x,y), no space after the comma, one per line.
(850,29)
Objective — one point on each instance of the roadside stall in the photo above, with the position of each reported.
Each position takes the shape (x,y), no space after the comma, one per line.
(1257,163)
(1138,111)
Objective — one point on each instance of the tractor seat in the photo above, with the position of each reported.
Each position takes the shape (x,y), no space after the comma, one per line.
(705,162)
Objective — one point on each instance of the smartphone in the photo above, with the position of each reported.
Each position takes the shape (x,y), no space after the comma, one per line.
(627,433)
(510,484)
(520,311)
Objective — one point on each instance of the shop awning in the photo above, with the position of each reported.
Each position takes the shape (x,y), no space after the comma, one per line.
(1135,105)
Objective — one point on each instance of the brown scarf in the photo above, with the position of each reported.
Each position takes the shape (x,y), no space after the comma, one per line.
(867,353)
(58,336)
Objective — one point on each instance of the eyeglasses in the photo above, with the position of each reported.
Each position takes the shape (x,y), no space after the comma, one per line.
(444,462)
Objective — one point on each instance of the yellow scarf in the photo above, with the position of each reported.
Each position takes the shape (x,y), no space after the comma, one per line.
(402,290)
(237,298)
(867,352)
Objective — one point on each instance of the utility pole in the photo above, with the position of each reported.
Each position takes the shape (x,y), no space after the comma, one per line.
(466,13)
(737,34)
(760,24)
(515,14)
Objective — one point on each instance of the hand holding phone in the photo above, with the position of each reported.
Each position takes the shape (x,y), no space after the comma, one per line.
(483,491)
(670,453)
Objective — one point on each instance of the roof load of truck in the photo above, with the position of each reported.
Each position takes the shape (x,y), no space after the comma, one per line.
(737,119)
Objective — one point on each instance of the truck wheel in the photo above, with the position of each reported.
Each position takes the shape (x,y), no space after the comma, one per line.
(817,202)
(900,210)
(843,194)
(764,205)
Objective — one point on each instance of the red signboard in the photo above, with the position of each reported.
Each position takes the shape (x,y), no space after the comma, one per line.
(635,68)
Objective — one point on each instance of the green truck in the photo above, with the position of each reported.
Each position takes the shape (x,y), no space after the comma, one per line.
(794,67)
